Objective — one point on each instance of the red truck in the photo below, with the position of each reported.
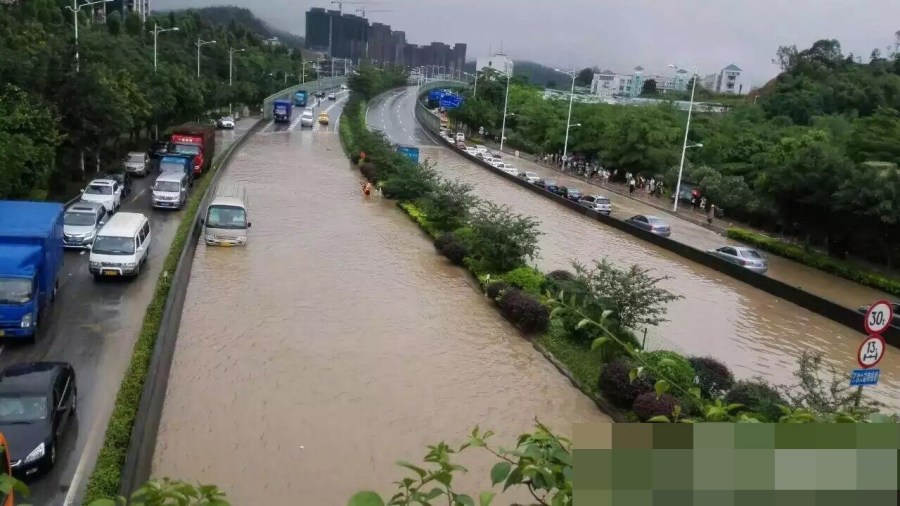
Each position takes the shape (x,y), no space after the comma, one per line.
(198,140)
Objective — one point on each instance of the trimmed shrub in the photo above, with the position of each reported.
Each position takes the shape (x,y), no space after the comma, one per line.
(757,397)
(451,248)
(369,171)
(616,385)
(495,289)
(525,278)
(557,280)
(713,377)
(524,311)
(648,405)
(680,373)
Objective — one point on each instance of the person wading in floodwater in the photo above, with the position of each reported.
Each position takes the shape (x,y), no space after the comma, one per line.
(367,189)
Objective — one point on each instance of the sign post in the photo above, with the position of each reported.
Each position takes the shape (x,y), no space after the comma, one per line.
(879,317)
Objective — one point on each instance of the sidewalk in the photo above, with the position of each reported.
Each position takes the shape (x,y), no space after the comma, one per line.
(684,211)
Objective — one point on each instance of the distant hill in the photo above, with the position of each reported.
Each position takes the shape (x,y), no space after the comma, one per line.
(537,74)
(223,15)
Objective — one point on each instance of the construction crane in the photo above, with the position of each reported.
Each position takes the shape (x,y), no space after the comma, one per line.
(340,4)
(364,11)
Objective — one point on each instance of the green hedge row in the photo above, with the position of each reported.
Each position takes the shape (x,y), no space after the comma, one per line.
(816,260)
(106,477)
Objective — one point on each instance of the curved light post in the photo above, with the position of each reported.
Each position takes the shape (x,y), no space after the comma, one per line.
(231,52)
(474,76)
(687,129)
(76,8)
(505,104)
(199,44)
(573,74)
(156,31)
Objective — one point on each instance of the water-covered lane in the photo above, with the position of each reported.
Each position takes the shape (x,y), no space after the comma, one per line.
(336,343)
(754,332)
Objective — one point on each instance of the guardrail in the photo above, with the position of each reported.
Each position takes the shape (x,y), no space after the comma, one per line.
(288,93)
(819,305)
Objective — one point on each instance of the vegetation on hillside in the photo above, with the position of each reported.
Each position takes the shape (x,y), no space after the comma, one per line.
(815,157)
(50,111)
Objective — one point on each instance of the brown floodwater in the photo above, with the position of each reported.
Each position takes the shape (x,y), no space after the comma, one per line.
(336,343)
(754,332)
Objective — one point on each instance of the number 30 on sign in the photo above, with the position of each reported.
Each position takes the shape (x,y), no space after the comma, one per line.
(879,316)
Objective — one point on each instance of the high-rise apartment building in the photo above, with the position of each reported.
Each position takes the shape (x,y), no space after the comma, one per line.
(352,37)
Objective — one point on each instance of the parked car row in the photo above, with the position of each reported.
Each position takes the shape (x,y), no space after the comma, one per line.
(748,258)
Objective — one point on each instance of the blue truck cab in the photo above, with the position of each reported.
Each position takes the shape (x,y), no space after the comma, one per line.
(31,256)
(281,110)
(178,162)
(300,98)
(410,152)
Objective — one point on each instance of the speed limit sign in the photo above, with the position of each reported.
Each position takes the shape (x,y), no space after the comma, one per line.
(879,316)
(871,351)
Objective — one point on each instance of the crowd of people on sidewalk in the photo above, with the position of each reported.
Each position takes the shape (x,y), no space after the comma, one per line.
(593,170)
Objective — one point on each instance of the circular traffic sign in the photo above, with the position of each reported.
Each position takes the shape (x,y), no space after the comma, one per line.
(871,351)
(879,316)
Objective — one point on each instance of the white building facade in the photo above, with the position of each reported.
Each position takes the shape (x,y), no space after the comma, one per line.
(498,62)
(608,84)
(726,80)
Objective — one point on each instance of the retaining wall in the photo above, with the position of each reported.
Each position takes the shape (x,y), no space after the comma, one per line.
(832,310)
(139,460)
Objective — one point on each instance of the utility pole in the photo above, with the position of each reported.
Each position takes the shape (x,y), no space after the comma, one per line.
(199,44)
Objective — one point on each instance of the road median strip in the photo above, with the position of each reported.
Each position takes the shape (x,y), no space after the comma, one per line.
(106,481)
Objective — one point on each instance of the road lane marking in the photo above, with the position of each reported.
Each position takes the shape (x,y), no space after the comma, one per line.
(83,463)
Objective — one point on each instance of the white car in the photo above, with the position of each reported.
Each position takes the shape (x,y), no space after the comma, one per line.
(531,177)
(598,203)
(136,163)
(460,137)
(226,122)
(472,151)
(331,96)
(307,119)
(343,86)
(104,191)
(509,169)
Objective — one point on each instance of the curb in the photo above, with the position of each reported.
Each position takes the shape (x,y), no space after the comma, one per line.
(142,444)
(796,295)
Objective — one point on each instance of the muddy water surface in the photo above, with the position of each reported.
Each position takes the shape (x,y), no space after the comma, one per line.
(752,331)
(336,343)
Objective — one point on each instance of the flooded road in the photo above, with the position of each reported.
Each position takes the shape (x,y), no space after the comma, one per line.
(336,343)
(752,331)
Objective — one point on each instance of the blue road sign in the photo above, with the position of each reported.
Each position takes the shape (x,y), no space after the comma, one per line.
(410,152)
(451,101)
(864,377)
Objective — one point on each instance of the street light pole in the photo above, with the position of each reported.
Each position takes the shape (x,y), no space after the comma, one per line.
(505,106)
(199,44)
(687,129)
(75,8)
(231,52)
(573,74)
(156,31)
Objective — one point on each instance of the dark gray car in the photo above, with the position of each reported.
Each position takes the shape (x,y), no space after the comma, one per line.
(652,224)
(748,258)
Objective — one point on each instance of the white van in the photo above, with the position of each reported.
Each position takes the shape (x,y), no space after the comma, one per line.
(226,220)
(121,247)
(170,190)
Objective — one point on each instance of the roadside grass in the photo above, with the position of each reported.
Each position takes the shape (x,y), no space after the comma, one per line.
(816,260)
(105,479)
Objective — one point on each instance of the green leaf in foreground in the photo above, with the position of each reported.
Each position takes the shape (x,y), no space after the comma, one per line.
(367,498)
(499,472)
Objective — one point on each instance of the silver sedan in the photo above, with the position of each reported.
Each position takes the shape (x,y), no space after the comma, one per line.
(747,258)
(652,224)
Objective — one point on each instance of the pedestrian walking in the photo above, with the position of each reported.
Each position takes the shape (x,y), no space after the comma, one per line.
(702,204)
(710,214)
(631,187)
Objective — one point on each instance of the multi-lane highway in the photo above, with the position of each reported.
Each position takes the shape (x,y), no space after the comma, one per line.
(94,325)
(753,331)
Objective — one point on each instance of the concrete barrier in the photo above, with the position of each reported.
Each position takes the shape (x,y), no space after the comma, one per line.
(139,460)
(288,93)
(831,310)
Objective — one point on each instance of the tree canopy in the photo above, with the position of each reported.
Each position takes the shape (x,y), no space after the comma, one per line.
(813,153)
(51,110)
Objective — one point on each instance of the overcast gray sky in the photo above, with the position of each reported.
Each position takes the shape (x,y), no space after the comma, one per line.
(617,34)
